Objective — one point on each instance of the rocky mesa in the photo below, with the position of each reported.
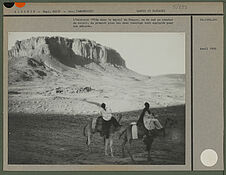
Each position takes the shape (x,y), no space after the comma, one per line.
(70,52)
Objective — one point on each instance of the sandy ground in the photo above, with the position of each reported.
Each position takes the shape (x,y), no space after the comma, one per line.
(65,90)
(58,139)
(83,96)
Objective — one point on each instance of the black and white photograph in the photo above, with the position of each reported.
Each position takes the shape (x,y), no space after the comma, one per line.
(96,98)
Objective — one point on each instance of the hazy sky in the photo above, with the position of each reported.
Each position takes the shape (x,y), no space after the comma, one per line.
(145,53)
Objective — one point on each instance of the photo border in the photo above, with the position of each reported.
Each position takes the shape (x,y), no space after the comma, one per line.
(103,172)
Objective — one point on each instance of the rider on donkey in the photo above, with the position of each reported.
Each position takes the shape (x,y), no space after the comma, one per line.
(146,114)
(108,121)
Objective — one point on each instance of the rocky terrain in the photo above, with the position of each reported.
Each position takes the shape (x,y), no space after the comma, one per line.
(51,75)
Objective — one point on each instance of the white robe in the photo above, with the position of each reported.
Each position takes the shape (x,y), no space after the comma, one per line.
(150,122)
(106,114)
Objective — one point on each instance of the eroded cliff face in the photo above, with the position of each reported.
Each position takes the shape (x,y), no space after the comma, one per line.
(70,52)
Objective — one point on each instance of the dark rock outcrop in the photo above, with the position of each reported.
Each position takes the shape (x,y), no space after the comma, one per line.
(70,52)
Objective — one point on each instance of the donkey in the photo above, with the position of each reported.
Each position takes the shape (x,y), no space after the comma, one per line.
(89,131)
(143,134)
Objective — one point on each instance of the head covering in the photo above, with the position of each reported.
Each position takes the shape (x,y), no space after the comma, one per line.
(146,104)
(103,105)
